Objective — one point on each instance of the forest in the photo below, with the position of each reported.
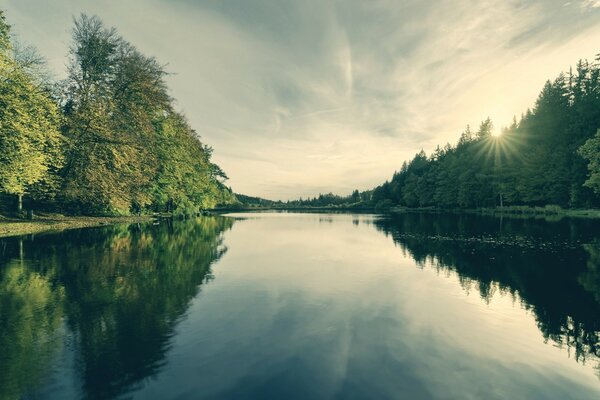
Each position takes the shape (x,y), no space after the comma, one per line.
(105,140)
(550,156)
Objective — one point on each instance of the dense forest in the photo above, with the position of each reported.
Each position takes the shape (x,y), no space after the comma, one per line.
(550,156)
(106,140)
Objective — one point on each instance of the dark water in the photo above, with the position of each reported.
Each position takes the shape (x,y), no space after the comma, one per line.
(304,306)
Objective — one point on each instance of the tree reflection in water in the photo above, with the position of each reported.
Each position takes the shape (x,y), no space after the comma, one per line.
(103,304)
(551,267)
(119,292)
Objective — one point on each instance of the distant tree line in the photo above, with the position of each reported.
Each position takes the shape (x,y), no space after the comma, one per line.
(107,139)
(356,198)
(551,156)
(328,200)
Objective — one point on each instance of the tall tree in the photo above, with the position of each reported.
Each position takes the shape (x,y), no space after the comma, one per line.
(30,142)
(129,149)
(104,161)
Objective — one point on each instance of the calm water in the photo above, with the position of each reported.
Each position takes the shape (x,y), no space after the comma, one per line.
(304,306)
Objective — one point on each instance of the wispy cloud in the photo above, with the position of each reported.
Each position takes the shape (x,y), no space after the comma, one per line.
(591,3)
(304,96)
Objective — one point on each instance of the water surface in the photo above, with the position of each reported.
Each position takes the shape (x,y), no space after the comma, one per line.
(286,306)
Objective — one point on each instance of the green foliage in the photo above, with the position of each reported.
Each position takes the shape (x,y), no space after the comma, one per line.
(539,160)
(117,147)
(4,33)
(591,152)
(105,159)
(30,141)
(129,150)
(326,200)
(185,178)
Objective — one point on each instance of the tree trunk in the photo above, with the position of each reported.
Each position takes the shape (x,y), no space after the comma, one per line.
(501,203)
(19,203)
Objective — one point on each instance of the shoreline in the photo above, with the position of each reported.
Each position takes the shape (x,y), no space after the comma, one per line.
(46,222)
(509,211)
(57,222)
(522,212)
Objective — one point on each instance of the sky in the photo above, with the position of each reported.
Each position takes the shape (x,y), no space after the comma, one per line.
(301,97)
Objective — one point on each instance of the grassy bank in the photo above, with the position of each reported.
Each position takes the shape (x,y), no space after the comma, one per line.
(511,211)
(58,222)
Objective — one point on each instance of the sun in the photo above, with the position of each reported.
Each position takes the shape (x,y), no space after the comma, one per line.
(496,133)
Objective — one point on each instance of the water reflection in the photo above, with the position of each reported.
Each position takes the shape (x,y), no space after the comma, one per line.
(303,306)
(30,315)
(118,292)
(551,267)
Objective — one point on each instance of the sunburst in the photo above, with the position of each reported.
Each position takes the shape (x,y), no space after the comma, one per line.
(502,148)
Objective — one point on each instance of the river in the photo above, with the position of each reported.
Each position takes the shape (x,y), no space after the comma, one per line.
(304,306)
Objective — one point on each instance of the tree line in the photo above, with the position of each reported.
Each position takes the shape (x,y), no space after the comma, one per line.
(550,156)
(355,200)
(107,139)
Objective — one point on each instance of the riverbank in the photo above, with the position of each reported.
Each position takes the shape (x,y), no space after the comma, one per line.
(59,222)
(509,211)
(45,222)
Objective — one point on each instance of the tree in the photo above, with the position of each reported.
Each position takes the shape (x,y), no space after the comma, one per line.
(104,170)
(129,149)
(30,142)
(485,129)
(591,152)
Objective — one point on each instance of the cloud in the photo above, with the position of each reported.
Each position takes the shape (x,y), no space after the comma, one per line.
(299,97)
(590,4)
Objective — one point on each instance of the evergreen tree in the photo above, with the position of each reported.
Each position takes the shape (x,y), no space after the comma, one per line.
(591,152)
